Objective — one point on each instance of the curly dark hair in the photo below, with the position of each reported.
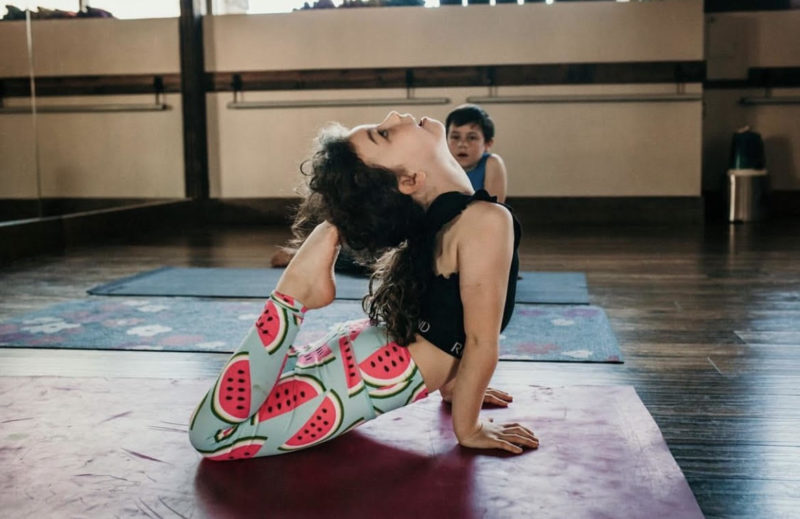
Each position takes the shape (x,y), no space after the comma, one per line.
(382,226)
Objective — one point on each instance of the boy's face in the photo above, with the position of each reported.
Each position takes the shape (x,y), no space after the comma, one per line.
(467,144)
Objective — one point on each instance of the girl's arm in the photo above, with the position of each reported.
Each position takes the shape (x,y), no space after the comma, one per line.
(496,182)
(484,259)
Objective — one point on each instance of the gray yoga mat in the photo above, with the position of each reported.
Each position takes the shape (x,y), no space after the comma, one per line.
(534,287)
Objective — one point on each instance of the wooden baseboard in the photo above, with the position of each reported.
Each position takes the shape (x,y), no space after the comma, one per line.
(18,208)
(25,208)
(22,238)
(784,203)
(264,211)
(779,205)
(608,210)
(578,210)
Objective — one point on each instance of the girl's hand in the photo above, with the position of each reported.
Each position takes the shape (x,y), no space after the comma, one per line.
(492,396)
(496,397)
(510,437)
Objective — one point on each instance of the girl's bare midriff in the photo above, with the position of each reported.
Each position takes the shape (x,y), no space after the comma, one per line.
(436,366)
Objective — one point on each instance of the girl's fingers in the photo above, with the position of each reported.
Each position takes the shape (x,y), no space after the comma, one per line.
(508,446)
(517,428)
(493,400)
(519,439)
(499,394)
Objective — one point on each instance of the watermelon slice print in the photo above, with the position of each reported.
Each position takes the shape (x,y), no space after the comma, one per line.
(316,357)
(322,425)
(271,326)
(289,300)
(224,433)
(419,393)
(242,449)
(355,424)
(387,366)
(231,400)
(196,412)
(355,383)
(388,391)
(356,327)
(290,392)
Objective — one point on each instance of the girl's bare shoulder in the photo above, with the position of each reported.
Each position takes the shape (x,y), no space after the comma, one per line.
(484,222)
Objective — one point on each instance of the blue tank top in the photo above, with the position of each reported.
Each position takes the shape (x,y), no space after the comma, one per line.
(441,317)
(477,175)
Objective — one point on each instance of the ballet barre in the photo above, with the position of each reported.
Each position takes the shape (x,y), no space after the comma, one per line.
(410,99)
(597,98)
(94,108)
(769,100)
(236,104)
(157,106)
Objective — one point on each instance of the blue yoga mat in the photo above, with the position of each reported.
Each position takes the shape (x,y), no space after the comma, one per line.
(533,287)
(536,332)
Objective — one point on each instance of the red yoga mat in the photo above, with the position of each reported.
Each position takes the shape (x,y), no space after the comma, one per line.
(93,447)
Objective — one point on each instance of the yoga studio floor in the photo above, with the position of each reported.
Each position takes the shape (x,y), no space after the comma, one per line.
(708,319)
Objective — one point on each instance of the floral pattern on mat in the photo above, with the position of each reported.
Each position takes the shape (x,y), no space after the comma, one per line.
(536,332)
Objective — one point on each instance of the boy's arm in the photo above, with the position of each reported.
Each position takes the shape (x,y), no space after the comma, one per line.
(496,182)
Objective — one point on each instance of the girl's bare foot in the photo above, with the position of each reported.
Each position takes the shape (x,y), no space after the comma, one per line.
(309,275)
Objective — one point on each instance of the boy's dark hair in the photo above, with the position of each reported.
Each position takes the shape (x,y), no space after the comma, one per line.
(466,114)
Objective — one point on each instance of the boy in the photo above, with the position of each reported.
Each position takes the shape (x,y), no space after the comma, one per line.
(470,135)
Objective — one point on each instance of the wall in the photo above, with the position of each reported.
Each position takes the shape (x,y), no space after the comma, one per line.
(128,155)
(624,149)
(628,149)
(571,32)
(619,149)
(735,42)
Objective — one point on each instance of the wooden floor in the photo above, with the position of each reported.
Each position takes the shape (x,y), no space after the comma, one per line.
(708,319)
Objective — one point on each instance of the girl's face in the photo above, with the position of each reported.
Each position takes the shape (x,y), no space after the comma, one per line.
(467,144)
(400,143)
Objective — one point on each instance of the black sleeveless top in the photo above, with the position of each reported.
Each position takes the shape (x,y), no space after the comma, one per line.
(441,319)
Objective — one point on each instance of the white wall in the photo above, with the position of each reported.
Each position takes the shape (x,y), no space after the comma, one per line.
(735,42)
(125,155)
(619,149)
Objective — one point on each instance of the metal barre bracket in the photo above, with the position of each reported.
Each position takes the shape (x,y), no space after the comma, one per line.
(767,99)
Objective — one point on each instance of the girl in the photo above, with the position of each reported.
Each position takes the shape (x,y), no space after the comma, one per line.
(440,295)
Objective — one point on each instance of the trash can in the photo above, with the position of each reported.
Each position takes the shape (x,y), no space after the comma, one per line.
(747,178)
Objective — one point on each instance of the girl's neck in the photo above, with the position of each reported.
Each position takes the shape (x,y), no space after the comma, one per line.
(450,177)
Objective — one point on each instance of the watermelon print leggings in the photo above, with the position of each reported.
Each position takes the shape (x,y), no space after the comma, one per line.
(273,397)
